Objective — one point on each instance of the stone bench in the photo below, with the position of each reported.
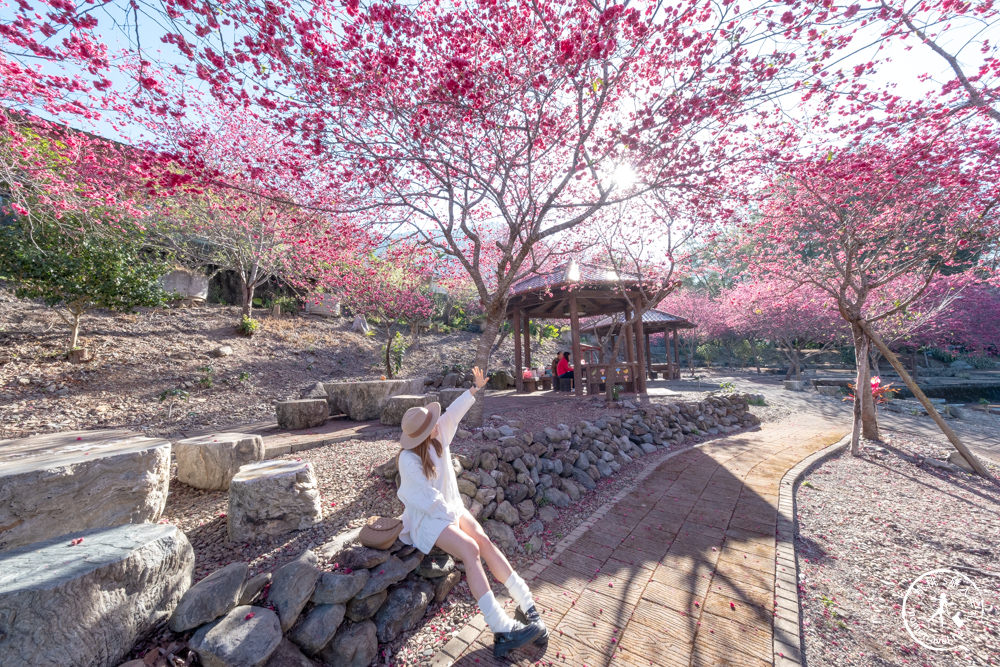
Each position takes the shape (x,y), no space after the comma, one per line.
(210,461)
(272,498)
(365,400)
(396,406)
(86,598)
(79,480)
(302,413)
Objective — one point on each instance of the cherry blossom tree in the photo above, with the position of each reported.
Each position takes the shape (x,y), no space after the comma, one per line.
(799,320)
(709,315)
(888,216)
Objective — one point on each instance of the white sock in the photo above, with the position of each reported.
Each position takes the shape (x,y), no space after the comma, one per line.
(493,612)
(519,591)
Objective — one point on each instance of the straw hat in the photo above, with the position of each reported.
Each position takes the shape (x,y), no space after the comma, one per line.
(418,423)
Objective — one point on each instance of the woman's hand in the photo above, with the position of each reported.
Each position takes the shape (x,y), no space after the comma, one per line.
(478,379)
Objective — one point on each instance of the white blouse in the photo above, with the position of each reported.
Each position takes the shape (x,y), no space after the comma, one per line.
(431,505)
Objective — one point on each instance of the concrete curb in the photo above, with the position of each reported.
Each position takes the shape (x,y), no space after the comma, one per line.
(787,635)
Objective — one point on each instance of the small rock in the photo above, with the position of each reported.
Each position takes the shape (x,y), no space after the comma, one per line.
(507,513)
(210,598)
(360,609)
(390,572)
(288,655)
(957,459)
(318,627)
(360,557)
(536,527)
(404,607)
(534,544)
(335,588)
(526,510)
(436,565)
(222,351)
(556,497)
(253,587)
(443,585)
(502,536)
(245,636)
(292,586)
(356,645)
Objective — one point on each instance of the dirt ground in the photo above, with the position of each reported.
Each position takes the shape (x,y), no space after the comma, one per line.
(140,356)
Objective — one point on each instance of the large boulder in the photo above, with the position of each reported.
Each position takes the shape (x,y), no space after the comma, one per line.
(356,645)
(507,513)
(272,498)
(396,406)
(210,598)
(291,587)
(404,607)
(87,598)
(286,655)
(360,609)
(79,480)
(245,637)
(210,461)
(364,400)
(447,396)
(302,413)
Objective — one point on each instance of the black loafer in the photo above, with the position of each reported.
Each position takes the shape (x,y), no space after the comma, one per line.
(532,616)
(505,642)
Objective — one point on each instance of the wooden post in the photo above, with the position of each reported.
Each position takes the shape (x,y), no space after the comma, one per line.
(641,357)
(516,330)
(574,323)
(629,340)
(677,355)
(527,341)
(649,356)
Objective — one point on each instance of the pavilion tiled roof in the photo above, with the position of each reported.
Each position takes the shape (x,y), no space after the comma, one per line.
(650,317)
(590,274)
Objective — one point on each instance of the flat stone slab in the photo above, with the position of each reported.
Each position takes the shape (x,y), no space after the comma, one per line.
(301,413)
(79,480)
(364,400)
(64,602)
(272,498)
(210,461)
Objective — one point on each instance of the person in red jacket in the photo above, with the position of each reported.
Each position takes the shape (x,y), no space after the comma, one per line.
(563,369)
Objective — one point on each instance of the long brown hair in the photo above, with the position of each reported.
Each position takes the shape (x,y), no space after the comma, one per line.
(422,450)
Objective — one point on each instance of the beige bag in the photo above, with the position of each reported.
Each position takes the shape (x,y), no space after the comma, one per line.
(380,532)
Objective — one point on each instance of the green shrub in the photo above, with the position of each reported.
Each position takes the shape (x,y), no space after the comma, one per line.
(248,326)
(208,379)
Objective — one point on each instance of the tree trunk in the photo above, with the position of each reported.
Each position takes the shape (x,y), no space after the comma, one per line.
(75,334)
(865,418)
(925,402)
(388,353)
(248,290)
(491,328)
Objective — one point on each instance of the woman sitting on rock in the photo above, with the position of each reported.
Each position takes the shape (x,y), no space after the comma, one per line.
(433,514)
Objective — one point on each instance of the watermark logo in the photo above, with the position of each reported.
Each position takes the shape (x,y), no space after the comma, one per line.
(938,608)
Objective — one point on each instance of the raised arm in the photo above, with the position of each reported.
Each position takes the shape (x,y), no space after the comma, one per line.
(448,423)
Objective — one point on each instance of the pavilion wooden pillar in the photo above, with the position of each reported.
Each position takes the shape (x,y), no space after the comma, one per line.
(629,335)
(516,330)
(677,354)
(649,357)
(574,323)
(527,341)
(641,356)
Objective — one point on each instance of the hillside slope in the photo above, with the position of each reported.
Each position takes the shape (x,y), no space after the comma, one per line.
(143,354)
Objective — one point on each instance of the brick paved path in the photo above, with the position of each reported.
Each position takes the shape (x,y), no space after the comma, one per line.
(678,572)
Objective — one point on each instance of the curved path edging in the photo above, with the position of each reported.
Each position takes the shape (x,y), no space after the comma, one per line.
(787,637)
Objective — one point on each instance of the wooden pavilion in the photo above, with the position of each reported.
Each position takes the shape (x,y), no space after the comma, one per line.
(653,321)
(576,291)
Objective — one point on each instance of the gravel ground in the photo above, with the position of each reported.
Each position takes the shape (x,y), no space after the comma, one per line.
(869,526)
